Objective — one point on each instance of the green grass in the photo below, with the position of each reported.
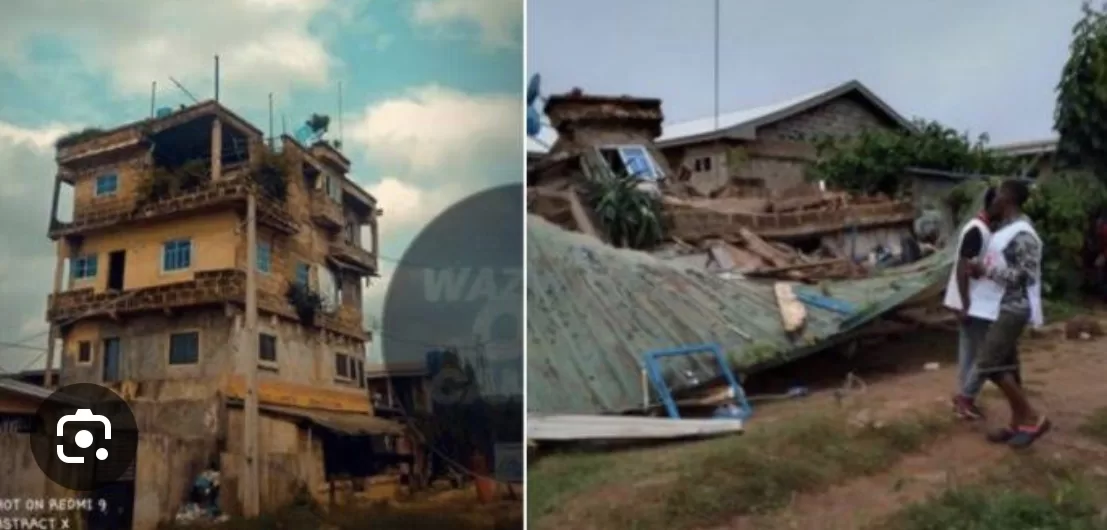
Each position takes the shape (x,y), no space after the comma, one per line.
(1029,494)
(704,483)
(1095,426)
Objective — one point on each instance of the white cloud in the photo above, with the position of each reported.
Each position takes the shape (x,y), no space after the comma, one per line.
(261,43)
(407,207)
(433,129)
(499,21)
(26,255)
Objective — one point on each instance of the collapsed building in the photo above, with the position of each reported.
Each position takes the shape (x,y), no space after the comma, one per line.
(154,306)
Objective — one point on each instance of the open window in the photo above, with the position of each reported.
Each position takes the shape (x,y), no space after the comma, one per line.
(633,160)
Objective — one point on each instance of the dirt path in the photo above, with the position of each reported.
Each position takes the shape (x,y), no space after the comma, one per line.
(1066,378)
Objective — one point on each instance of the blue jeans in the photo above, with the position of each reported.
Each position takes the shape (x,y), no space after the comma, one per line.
(971,338)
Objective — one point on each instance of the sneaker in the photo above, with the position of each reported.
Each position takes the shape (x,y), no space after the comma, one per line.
(966,409)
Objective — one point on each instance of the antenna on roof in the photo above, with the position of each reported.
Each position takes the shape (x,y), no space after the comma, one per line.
(716,65)
(153,96)
(270,120)
(183,89)
(217,78)
(284,124)
(340,137)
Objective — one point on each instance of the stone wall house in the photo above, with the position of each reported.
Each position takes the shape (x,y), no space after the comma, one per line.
(767,149)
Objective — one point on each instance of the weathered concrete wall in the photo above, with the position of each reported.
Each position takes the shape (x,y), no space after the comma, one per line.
(130,167)
(841,117)
(165,468)
(214,239)
(289,456)
(20,476)
(307,355)
(144,345)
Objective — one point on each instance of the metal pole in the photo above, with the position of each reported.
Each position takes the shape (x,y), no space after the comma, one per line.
(216,78)
(270,120)
(716,65)
(153,97)
(340,138)
(251,502)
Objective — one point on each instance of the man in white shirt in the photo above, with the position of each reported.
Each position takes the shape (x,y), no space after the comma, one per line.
(1009,294)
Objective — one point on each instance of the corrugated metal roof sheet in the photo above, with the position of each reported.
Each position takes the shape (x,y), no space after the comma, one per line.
(592,311)
(350,423)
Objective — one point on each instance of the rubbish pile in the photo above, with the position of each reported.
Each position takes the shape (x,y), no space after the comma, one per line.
(203,505)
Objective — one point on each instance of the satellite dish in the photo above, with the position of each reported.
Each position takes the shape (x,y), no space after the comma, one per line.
(328,290)
(534,122)
(163,112)
(534,89)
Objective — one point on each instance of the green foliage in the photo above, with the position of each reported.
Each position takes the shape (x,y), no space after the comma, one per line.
(270,172)
(306,302)
(76,137)
(1062,207)
(1081,97)
(962,196)
(318,122)
(164,183)
(874,161)
(631,217)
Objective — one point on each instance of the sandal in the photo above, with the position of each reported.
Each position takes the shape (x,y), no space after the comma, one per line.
(1002,435)
(1027,435)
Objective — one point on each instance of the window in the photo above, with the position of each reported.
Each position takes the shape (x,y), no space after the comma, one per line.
(360,373)
(632,160)
(84,352)
(107,184)
(351,232)
(264,256)
(184,348)
(267,348)
(702,165)
(176,255)
(303,274)
(342,368)
(84,267)
(334,188)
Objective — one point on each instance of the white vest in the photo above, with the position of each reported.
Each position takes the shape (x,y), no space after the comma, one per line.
(986,301)
(953,296)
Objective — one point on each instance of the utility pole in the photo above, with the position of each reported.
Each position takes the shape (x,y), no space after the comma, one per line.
(251,498)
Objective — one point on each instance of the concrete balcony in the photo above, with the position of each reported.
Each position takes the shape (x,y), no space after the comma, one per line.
(325,211)
(353,256)
(206,288)
(229,191)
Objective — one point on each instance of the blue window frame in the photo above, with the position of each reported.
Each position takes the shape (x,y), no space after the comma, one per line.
(184,348)
(638,162)
(176,255)
(107,184)
(303,273)
(84,267)
(264,256)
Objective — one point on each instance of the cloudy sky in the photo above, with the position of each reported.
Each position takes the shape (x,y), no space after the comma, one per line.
(431,98)
(985,65)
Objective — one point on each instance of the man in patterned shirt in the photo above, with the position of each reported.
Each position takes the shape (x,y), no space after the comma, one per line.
(1012,265)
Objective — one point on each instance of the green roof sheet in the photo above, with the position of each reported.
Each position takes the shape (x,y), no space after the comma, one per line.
(593,310)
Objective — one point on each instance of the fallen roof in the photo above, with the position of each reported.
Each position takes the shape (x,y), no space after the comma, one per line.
(746,121)
(36,392)
(593,310)
(1035,147)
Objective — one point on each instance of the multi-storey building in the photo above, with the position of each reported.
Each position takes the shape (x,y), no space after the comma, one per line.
(153,303)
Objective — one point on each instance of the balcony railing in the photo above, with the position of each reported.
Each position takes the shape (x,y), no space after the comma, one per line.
(353,255)
(231,189)
(206,287)
(326,211)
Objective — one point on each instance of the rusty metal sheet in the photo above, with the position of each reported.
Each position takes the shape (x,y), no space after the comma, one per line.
(350,423)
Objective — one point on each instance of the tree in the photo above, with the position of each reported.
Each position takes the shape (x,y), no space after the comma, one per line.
(874,161)
(1079,117)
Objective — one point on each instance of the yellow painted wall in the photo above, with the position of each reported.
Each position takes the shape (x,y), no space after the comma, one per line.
(214,242)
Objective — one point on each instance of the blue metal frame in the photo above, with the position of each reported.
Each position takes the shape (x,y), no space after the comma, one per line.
(653,370)
(825,302)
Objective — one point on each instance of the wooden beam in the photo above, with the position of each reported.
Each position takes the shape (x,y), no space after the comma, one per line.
(793,314)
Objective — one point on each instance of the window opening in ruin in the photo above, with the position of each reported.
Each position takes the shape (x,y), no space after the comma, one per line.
(342,366)
(702,165)
(184,348)
(632,160)
(267,347)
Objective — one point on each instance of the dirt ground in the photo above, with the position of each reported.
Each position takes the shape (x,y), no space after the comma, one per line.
(1065,378)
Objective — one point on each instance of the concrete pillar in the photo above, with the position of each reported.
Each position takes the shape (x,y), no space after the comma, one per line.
(216,150)
(59,267)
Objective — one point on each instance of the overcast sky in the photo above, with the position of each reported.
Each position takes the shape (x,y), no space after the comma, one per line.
(982,65)
(432,92)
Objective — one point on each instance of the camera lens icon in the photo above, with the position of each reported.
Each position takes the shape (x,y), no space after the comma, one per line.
(83,438)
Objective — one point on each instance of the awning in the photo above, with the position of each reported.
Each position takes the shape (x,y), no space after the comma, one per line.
(348,423)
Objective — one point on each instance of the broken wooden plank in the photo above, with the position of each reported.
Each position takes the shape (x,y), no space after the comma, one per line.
(587,427)
(793,314)
(762,248)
